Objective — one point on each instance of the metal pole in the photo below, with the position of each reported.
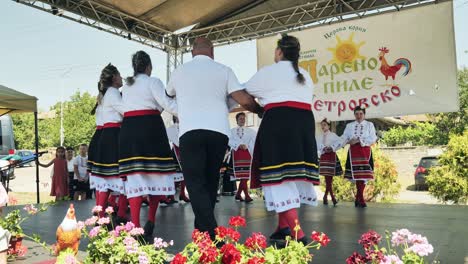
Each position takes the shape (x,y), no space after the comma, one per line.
(36,139)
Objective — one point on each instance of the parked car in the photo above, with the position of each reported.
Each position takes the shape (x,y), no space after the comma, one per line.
(422,170)
(26,155)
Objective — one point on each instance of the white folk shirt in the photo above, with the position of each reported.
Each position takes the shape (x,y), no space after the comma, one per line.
(71,165)
(147,93)
(202,87)
(242,136)
(112,106)
(328,139)
(277,83)
(98,115)
(173,134)
(80,162)
(364,131)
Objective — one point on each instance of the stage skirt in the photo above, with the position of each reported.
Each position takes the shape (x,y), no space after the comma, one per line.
(285,147)
(105,167)
(330,165)
(289,195)
(93,147)
(239,165)
(178,176)
(359,163)
(145,157)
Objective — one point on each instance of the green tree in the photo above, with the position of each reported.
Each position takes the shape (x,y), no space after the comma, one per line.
(78,124)
(455,122)
(449,182)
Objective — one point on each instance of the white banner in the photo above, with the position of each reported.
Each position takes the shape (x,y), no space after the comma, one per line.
(393,64)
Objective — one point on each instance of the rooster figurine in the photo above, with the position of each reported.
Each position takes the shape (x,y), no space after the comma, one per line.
(68,233)
(391,71)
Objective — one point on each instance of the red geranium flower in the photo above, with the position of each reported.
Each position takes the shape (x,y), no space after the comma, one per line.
(356,258)
(237,221)
(256,260)
(224,232)
(179,259)
(256,241)
(231,255)
(369,239)
(198,236)
(209,253)
(321,238)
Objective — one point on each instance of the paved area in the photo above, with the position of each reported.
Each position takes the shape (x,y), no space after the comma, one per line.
(445,226)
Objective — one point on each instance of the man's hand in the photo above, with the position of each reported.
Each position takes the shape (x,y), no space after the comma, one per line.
(247,101)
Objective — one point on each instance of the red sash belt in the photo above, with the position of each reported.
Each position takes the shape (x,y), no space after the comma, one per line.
(109,125)
(99,127)
(141,113)
(292,104)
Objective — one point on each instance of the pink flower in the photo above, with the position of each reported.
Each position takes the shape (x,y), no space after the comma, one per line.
(119,229)
(109,210)
(129,226)
(417,239)
(94,232)
(97,209)
(391,259)
(70,259)
(80,225)
(104,221)
(159,243)
(110,240)
(137,231)
(91,221)
(421,249)
(31,209)
(400,237)
(143,259)
(128,241)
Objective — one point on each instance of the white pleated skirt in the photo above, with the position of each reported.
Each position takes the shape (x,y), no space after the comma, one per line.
(103,184)
(149,184)
(289,195)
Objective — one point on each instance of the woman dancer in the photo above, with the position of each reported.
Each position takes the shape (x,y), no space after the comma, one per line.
(285,155)
(327,145)
(145,155)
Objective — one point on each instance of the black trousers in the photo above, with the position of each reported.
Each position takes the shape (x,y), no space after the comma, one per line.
(202,153)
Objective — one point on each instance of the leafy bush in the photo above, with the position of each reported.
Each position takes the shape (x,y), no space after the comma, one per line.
(419,134)
(383,188)
(449,182)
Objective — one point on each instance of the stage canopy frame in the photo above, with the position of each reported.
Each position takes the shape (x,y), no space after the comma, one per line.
(172,25)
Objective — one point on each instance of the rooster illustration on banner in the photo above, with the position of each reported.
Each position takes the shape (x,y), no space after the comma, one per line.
(391,70)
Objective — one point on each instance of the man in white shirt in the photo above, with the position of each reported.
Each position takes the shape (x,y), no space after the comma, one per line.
(81,173)
(202,88)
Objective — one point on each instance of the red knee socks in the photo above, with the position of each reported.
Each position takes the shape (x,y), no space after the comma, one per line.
(102,201)
(123,205)
(293,220)
(182,190)
(153,207)
(112,200)
(282,221)
(135,206)
(360,185)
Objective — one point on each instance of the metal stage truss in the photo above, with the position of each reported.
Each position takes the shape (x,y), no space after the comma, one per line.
(250,19)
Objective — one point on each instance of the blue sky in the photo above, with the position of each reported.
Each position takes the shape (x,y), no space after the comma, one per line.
(51,57)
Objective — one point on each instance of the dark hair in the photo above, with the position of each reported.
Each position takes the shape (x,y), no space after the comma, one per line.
(140,61)
(239,115)
(325,120)
(291,47)
(69,148)
(83,145)
(174,119)
(93,111)
(359,108)
(57,149)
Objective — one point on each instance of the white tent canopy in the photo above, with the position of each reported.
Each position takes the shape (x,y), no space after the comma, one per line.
(12,101)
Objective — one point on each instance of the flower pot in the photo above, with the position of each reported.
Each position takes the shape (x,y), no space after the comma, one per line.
(15,245)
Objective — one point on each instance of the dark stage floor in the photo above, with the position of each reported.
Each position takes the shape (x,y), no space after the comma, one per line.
(446,227)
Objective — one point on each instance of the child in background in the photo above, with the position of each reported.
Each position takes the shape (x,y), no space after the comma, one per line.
(4,234)
(59,187)
(81,173)
(69,155)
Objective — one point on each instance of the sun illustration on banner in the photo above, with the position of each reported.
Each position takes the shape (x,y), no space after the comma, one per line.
(346,50)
